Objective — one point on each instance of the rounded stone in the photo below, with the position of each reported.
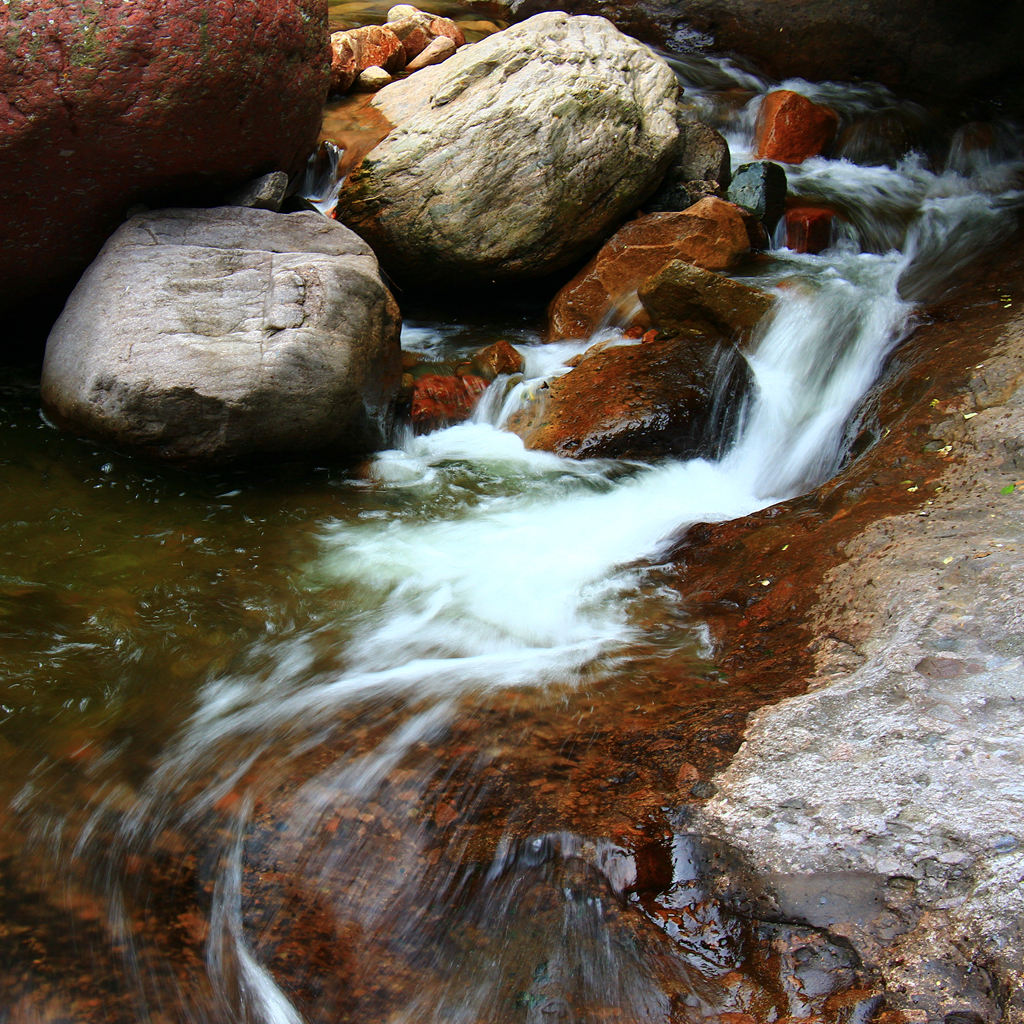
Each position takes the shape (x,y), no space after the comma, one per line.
(213,335)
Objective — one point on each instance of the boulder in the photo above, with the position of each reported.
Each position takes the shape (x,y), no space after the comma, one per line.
(760,188)
(516,156)
(945,51)
(792,128)
(712,234)
(674,196)
(683,297)
(211,335)
(106,106)
(635,401)
(372,79)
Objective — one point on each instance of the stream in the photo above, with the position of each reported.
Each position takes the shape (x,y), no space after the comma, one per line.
(360,743)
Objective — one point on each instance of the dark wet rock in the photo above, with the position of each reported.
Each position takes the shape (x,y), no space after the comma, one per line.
(712,234)
(516,156)
(115,105)
(701,168)
(681,195)
(210,335)
(878,139)
(760,188)
(636,401)
(919,47)
(791,128)
(684,297)
(809,228)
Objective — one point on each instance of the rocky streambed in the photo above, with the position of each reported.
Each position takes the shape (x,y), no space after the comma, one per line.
(473,731)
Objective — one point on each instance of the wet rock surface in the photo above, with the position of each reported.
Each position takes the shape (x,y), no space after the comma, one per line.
(712,234)
(93,93)
(516,156)
(791,128)
(684,297)
(912,848)
(653,399)
(212,335)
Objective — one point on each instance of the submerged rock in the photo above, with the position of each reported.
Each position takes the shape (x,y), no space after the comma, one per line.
(791,128)
(98,99)
(663,397)
(517,155)
(712,234)
(210,335)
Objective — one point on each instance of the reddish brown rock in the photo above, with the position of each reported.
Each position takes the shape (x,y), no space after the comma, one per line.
(106,105)
(496,359)
(447,27)
(415,36)
(791,128)
(343,63)
(712,234)
(682,297)
(373,46)
(809,228)
(439,400)
(633,401)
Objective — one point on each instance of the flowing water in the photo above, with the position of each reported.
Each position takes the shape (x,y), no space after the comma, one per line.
(333,745)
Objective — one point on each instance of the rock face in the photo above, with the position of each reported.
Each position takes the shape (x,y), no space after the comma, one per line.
(210,335)
(515,156)
(682,297)
(641,401)
(106,106)
(792,128)
(712,234)
(936,50)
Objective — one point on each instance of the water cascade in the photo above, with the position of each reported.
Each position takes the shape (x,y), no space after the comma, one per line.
(339,825)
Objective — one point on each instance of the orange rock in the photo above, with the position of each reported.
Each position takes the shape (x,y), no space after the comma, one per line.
(809,228)
(447,27)
(791,128)
(434,52)
(712,234)
(439,400)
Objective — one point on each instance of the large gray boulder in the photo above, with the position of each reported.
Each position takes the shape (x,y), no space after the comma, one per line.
(211,335)
(516,156)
